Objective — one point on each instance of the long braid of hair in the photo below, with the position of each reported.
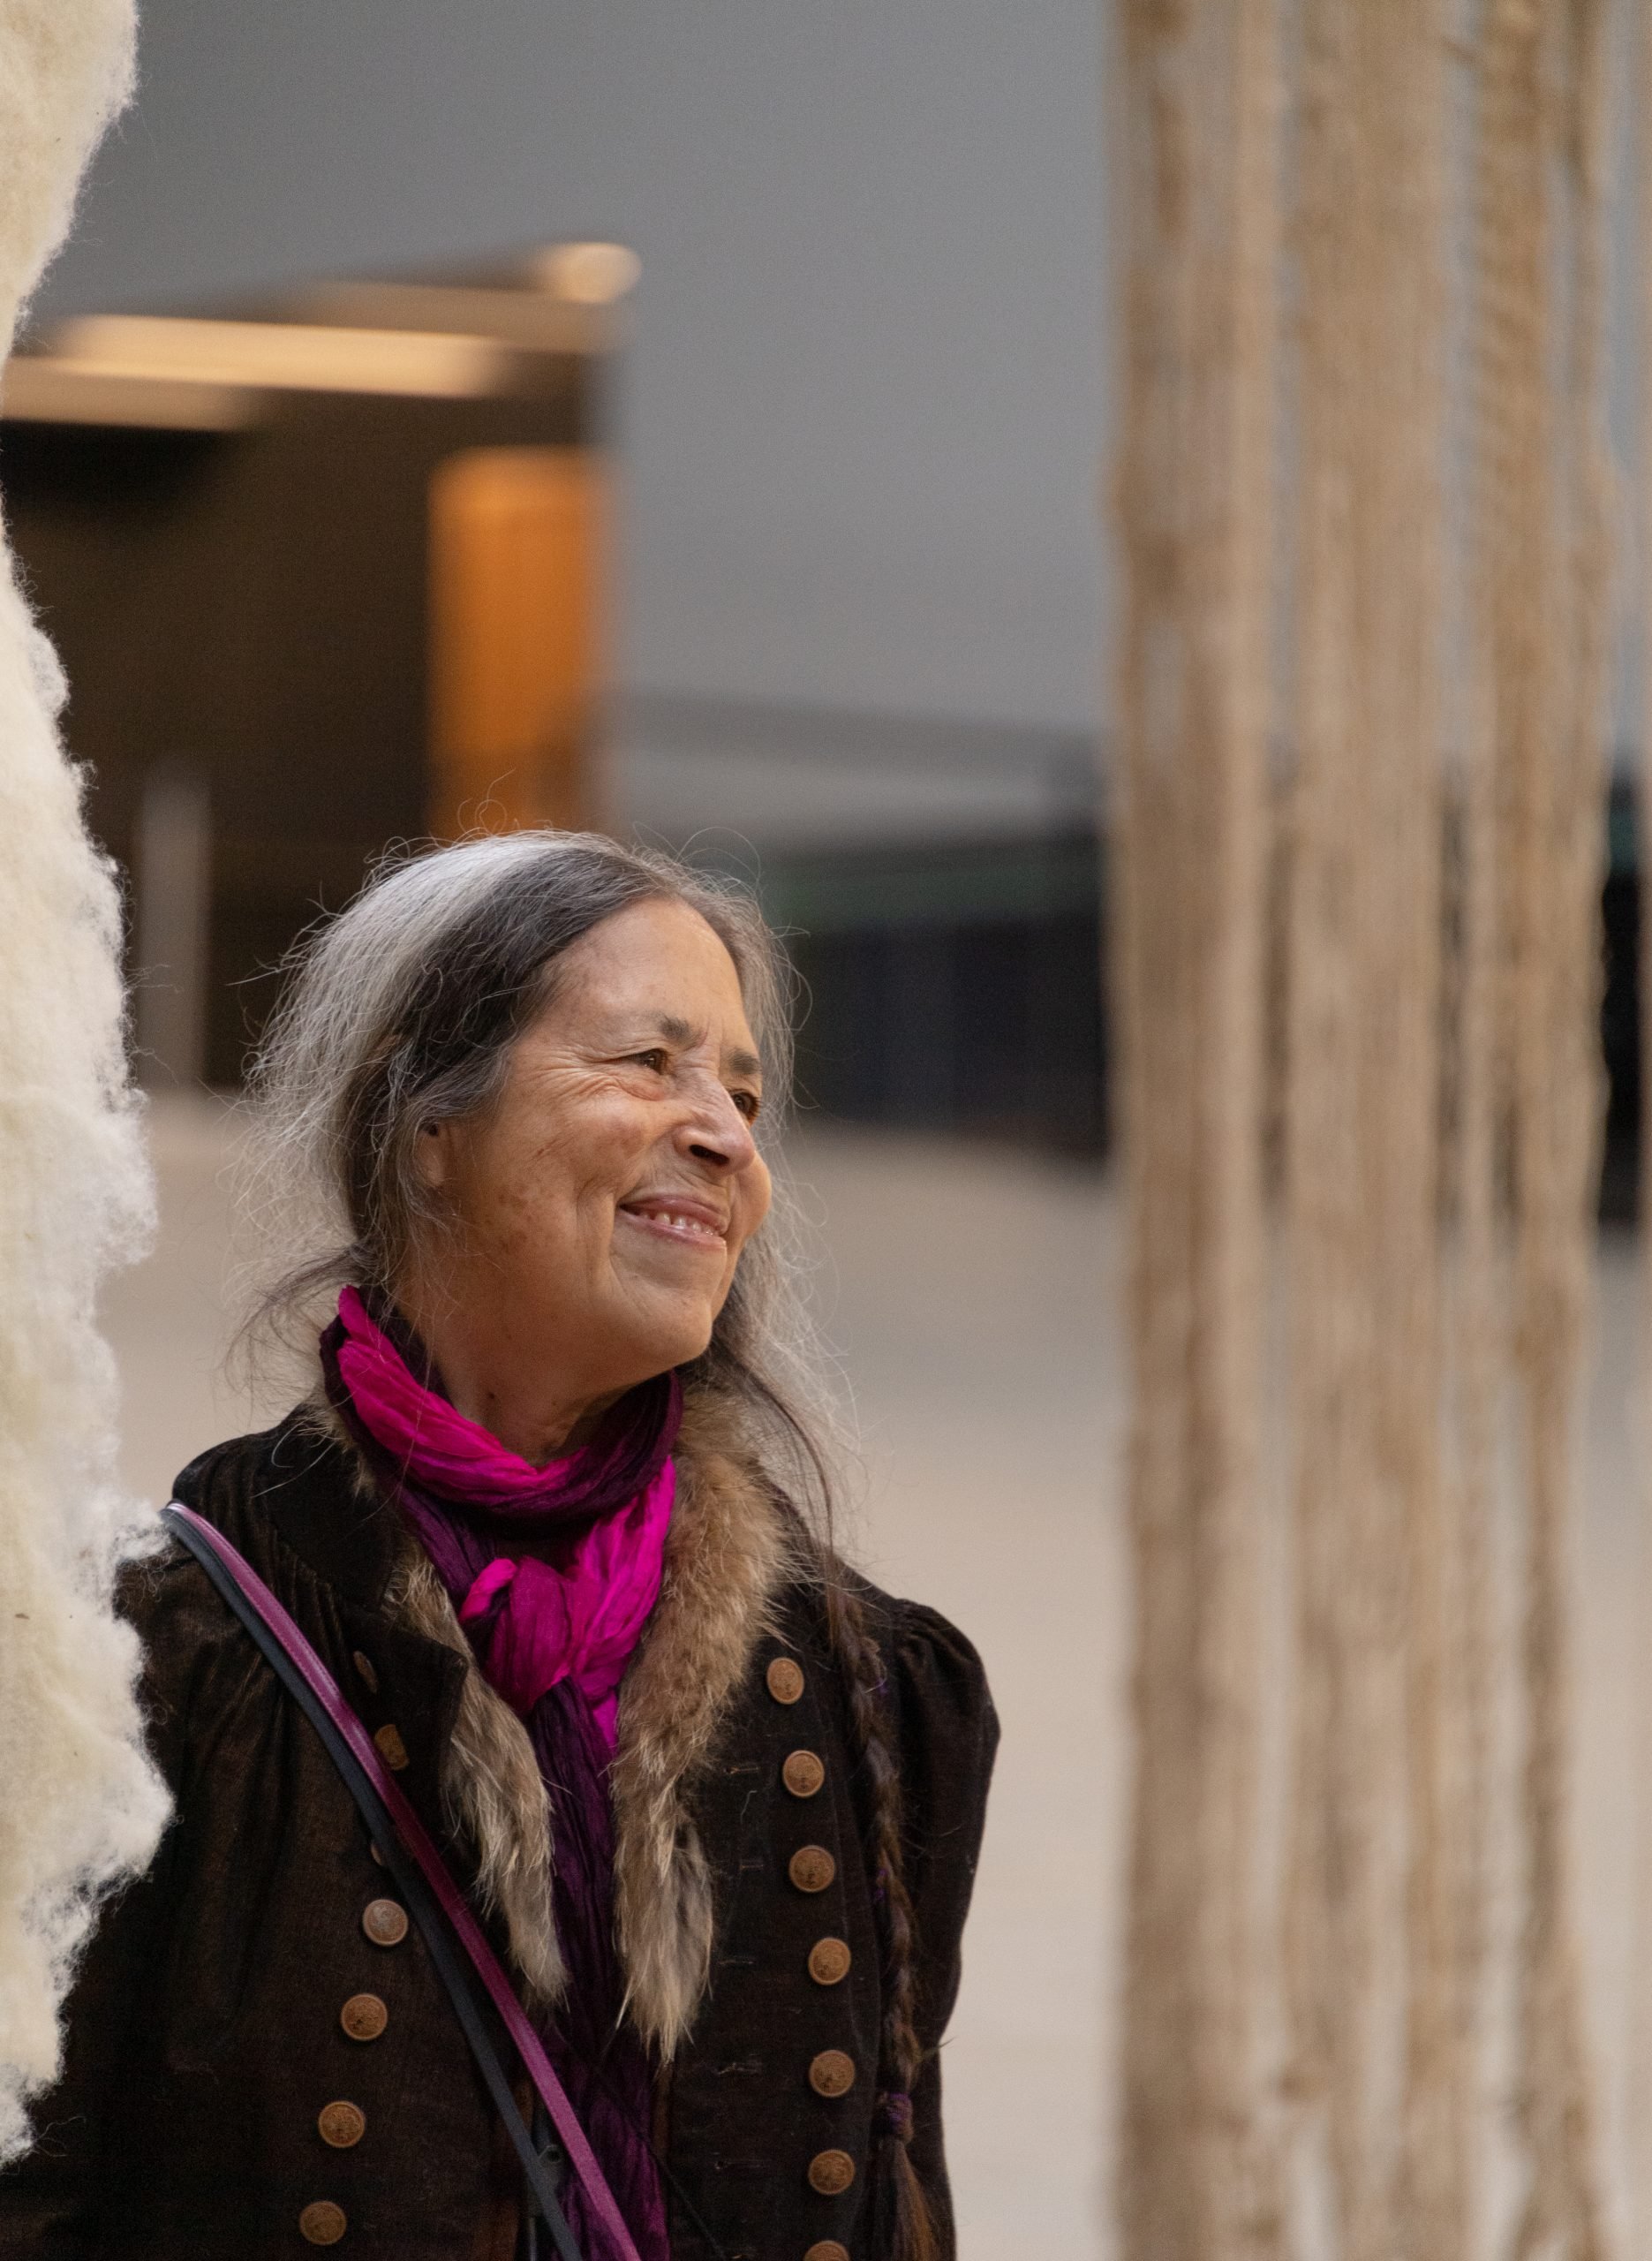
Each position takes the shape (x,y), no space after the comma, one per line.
(911,2229)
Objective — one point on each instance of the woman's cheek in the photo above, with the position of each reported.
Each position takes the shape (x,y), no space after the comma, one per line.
(761,1193)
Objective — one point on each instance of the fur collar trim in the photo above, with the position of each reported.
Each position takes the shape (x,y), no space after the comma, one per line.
(732,1547)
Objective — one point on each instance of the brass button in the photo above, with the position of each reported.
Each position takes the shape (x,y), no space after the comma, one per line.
(832,2072)
(364,2017)
(385,1922)
(341,2124)
(811,1868)
(831,2173)
(784,1678)
(802,1773)
(829,1960)
(392,1750)
(322,2223)
(827,2248)
(364,1668)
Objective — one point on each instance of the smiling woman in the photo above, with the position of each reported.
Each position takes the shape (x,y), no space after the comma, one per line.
(555,1516)
(603,1201)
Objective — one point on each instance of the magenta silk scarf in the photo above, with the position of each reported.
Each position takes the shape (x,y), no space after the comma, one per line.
(533,1622)
(553,1629)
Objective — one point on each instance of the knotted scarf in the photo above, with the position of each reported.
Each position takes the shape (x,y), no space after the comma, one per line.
(553,1572)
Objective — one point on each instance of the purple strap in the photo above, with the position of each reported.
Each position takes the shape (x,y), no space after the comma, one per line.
(453,1905)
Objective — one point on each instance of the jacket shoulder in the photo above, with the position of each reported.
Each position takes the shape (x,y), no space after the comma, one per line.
(194,1654)
(939,1718)
(259,1491)
(294,1493)
(926,1659)
(945,1723)
(234,1485)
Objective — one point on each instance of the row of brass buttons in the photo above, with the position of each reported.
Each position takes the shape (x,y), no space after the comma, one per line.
(832,2072)
(831,2173)
(341,2124)
(385,1922)
(364,2017)
(392,1749)
(811,1868)
(829,1960)
(803,1773)
(391,1746)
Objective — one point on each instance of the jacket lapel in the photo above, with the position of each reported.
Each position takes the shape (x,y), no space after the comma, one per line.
(731,1549)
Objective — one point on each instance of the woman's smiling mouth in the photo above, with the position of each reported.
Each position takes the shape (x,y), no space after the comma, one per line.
(677,1217)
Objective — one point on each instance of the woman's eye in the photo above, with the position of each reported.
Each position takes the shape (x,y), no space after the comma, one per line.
(655,1058)
(748,1103)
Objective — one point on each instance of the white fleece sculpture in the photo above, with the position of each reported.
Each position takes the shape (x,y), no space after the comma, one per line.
(79,1808)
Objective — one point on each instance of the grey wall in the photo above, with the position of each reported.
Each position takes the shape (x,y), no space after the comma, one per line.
(863,411)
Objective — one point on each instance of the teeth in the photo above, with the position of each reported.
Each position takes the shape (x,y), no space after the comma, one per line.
(691,1225)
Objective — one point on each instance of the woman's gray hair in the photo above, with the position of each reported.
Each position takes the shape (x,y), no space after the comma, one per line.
(402,1011)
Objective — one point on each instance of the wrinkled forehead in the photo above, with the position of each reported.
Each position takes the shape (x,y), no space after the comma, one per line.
(657,972)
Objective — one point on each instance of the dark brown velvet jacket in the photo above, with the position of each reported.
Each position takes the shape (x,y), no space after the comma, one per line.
(204,2031)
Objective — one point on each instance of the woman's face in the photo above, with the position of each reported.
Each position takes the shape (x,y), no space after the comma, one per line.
(603,1201)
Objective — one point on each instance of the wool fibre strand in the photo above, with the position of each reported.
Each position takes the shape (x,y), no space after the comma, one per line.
(81,1808)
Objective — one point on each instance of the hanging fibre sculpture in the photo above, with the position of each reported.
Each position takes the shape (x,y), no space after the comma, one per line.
(1312,2017)
(1368,1969)
(1200,254)
(79,1808)
(1543,613)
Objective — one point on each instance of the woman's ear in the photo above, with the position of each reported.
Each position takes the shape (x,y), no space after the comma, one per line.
(433,1156)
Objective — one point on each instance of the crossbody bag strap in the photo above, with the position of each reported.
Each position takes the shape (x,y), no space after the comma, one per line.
(421,1875)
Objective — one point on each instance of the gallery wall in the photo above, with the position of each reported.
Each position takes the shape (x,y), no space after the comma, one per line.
(862,412)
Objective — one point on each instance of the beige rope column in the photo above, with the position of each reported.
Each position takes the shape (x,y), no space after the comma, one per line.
(1543,587)
(1439,1114)
(1374,1873)
(1196,87)
(1640,2017)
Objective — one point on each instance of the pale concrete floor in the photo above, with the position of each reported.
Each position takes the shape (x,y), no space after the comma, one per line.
(970,1295)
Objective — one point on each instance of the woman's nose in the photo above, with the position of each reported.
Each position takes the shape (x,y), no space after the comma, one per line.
(717,1132)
